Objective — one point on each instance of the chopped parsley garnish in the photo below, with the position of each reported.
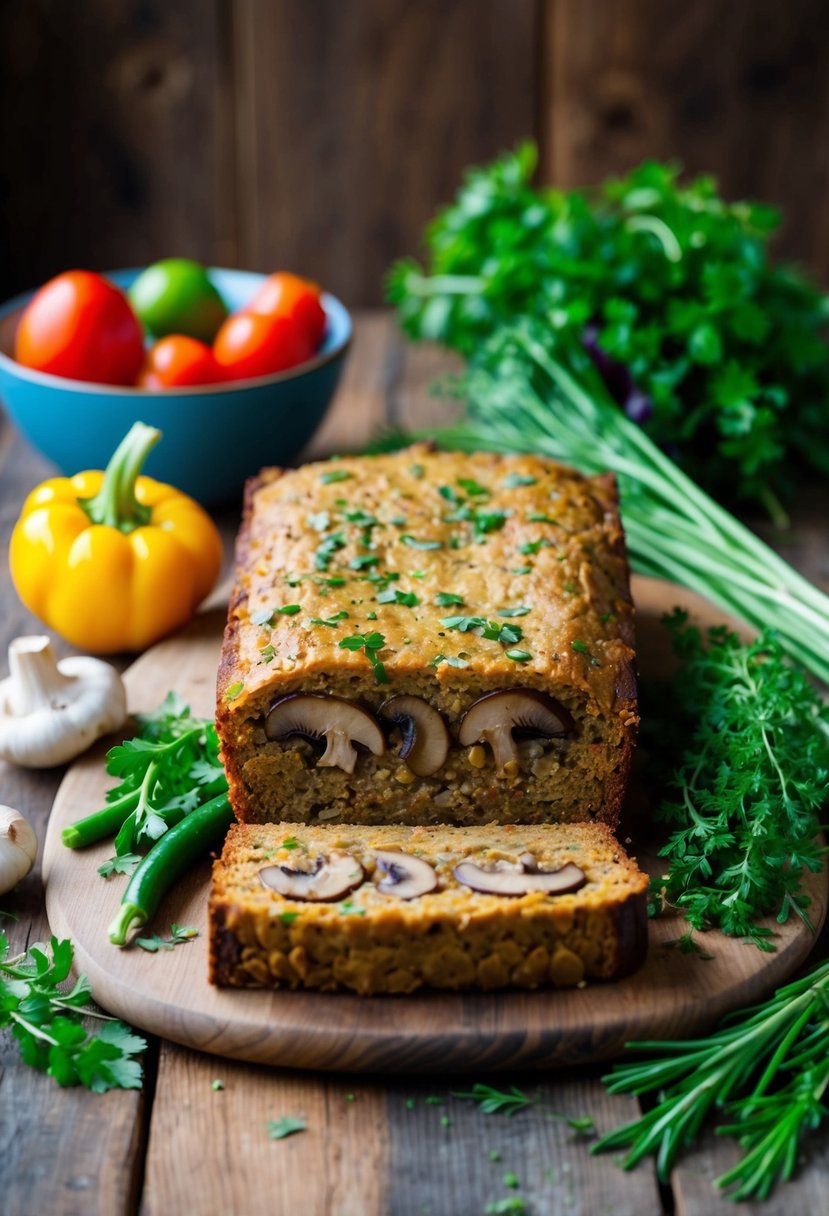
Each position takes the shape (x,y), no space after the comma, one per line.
(330,621)
(521,610)
(267,654)
(371,616)
(291,842)
(370,643)
(522,570)
(450,494)
(334,580)
(319,521)
(361,518)
(460,660)
(179,934)
(538,517)
(234,691)
(491,630)
(288,918)
(278,1129)
(364,562)
(326,550)
(347,908)
(516,479)
(484,522)
(444,599)
(265,617)
(418,574)
(119,865)
(383,579)
(473,488)
(391,595)
(518,656)
(399,521)
(533,546)
(582,648)
(414,543)
(333,475)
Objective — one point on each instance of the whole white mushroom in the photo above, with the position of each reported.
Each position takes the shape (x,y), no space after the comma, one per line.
(18,848)
(50,712)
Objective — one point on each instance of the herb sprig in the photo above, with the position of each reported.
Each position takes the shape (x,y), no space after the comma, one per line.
(46,1020)
(745,761)
(765,1071)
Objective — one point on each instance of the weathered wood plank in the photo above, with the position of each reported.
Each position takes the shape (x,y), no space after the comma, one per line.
(739,89)
(115,125)
(355,121)
(65,1151)
(210,1152)
(461,1166)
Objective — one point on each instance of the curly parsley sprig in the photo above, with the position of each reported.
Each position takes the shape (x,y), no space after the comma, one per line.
(743,741)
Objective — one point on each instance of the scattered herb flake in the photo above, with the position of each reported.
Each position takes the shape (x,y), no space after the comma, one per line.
(511,1180)
(538,517)
(330,621)
(319,521)
(334,475)
(370,643)
(416,471)
(234,691)
(278,1129)
(414,543)
(125,864)
(391,595)
(473,488)
(533,546)
(325,551)
(516,479)
(518,656)
(521,610)
(363,562)
(288,918)
(291,842)
(217,1085)
(582,648)
(444,599)
(179,934)
(522,570)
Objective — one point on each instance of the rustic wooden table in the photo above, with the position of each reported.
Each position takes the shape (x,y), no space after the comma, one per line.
(374,1145)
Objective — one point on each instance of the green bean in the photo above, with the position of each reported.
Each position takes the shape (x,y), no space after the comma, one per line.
(180,846)
(100,824)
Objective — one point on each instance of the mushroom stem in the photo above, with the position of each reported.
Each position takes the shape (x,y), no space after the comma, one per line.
(502,743)
(35,682)
(339,752)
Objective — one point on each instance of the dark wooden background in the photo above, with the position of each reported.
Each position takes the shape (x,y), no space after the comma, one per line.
(320,135)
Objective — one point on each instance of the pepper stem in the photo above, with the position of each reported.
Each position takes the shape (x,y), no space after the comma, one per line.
(128,915)
(115,504)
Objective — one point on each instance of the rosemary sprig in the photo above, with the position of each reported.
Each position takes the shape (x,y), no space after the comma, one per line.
(766,1069)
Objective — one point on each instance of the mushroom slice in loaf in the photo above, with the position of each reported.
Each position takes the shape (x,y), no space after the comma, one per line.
(318,717)
(506,878)
(495,717)
(404,876)
(424,737)
(331,877)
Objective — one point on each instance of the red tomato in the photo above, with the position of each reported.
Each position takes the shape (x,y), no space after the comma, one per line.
(287,295)
(80,326)
(249,345)
(178,362)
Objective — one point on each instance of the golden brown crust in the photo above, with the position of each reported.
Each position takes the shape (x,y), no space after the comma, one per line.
(578,632)
(452,937)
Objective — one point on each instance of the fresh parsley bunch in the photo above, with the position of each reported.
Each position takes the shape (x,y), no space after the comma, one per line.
(744,740)
(47,1022)
(168,770)
(716,350)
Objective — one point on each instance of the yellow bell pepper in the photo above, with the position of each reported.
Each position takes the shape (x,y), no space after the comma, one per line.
(113,560)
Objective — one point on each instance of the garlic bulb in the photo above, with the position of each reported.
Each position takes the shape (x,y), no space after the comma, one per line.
(50,712)
(18,848)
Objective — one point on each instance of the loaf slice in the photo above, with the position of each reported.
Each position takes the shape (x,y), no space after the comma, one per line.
(330,925)
(442,578)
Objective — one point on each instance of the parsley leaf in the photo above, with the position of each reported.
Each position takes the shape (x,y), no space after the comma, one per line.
(119,865)
(334,475)
(45,1020)
(325,551)
(444,599)
(179,935)
(391,595)
(414,543)
(278,1129)
(369,643)
(330,621)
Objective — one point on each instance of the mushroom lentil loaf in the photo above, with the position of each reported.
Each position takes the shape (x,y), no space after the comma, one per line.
(437,932)
(438,578)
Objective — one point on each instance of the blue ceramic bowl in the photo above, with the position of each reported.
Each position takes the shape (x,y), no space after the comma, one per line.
(213,436)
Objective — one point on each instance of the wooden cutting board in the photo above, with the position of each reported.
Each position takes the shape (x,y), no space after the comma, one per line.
(167,993)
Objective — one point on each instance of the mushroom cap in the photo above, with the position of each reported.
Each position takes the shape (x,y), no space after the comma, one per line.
(333,876)
(494,716)
(405,876)
(505,878)
(425,744)
(526,709)
(317,716)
